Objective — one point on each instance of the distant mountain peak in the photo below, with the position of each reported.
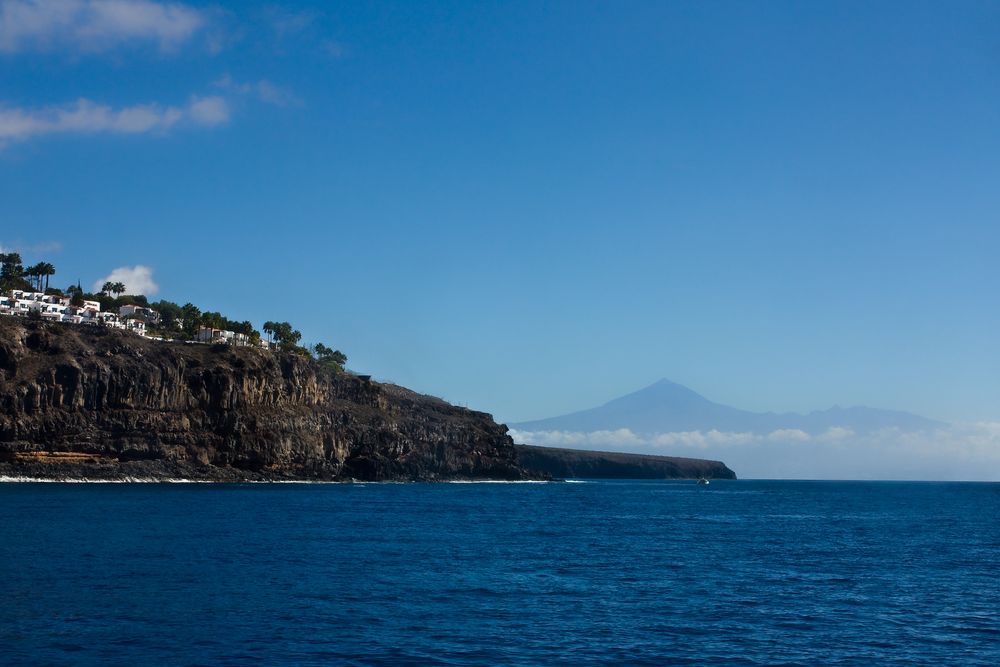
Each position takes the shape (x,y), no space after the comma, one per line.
(667,406)
(664,383)
(665,387)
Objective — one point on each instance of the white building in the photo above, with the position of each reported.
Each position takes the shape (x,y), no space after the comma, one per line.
(40,297)
(147,315)
(83,314)
(210,335)
(49,311)
(136,326)
(110,320)
(132,318)
(48,306)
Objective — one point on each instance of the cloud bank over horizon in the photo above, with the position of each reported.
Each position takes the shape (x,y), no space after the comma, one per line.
(968,451)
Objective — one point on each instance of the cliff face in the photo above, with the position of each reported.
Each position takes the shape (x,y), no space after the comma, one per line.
(617,465)
(88,402)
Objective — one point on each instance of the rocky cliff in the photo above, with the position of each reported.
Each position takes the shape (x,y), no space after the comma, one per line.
(617,465)
(88,402)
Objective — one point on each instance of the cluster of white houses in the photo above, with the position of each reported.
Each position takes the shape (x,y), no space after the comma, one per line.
(132,318)
(58,309)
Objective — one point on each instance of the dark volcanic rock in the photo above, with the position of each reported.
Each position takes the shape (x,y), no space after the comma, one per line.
(616,465)
(77,401)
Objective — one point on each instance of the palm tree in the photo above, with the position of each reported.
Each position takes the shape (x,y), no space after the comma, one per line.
(35,271)
(47,270)
(108,288)
(118,288)
(269,328)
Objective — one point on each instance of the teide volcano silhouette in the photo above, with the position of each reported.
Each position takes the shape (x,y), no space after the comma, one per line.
(666,406)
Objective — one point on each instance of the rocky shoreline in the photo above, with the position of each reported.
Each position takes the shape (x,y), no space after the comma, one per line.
(578,463)
(93,403)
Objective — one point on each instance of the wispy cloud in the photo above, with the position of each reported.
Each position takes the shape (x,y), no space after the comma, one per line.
(43,247)
(289,22)
(208,111)
(262,90)
(87,117)
(95,25)
(960,451)
(334,48)
(137,279)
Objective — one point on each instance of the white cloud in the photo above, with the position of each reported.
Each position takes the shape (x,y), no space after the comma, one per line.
(288,22)
(137,279)
(624,437)
(789,435)
(263,90)
(701,439)
(42,248)
(212,110)
(95,25)
(87,117)
(835,433)
(961,451)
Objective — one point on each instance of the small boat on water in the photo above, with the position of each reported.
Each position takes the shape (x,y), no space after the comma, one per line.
(702,481)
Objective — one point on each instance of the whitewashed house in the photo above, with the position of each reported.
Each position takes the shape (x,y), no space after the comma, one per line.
(25,295)
(40,297)
(110,320)
(22,302)
(49,311)
(83,314)
(135,326)
(133,318)
(210,335)
(147,315)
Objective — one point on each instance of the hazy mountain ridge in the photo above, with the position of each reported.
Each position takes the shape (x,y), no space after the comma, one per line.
(666,407)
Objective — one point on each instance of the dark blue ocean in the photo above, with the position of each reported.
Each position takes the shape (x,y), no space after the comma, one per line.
(737,573)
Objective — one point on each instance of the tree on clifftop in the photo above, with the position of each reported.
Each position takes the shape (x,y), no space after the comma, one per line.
(334,359)
(12,272)
(33,272)
(170,314)
(44,270)
(284,335)
(39,271)
(192,318)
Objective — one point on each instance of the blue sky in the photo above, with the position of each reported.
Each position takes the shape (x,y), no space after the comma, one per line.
(530,208)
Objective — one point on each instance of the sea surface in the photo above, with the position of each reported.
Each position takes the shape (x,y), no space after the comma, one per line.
(645,573)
